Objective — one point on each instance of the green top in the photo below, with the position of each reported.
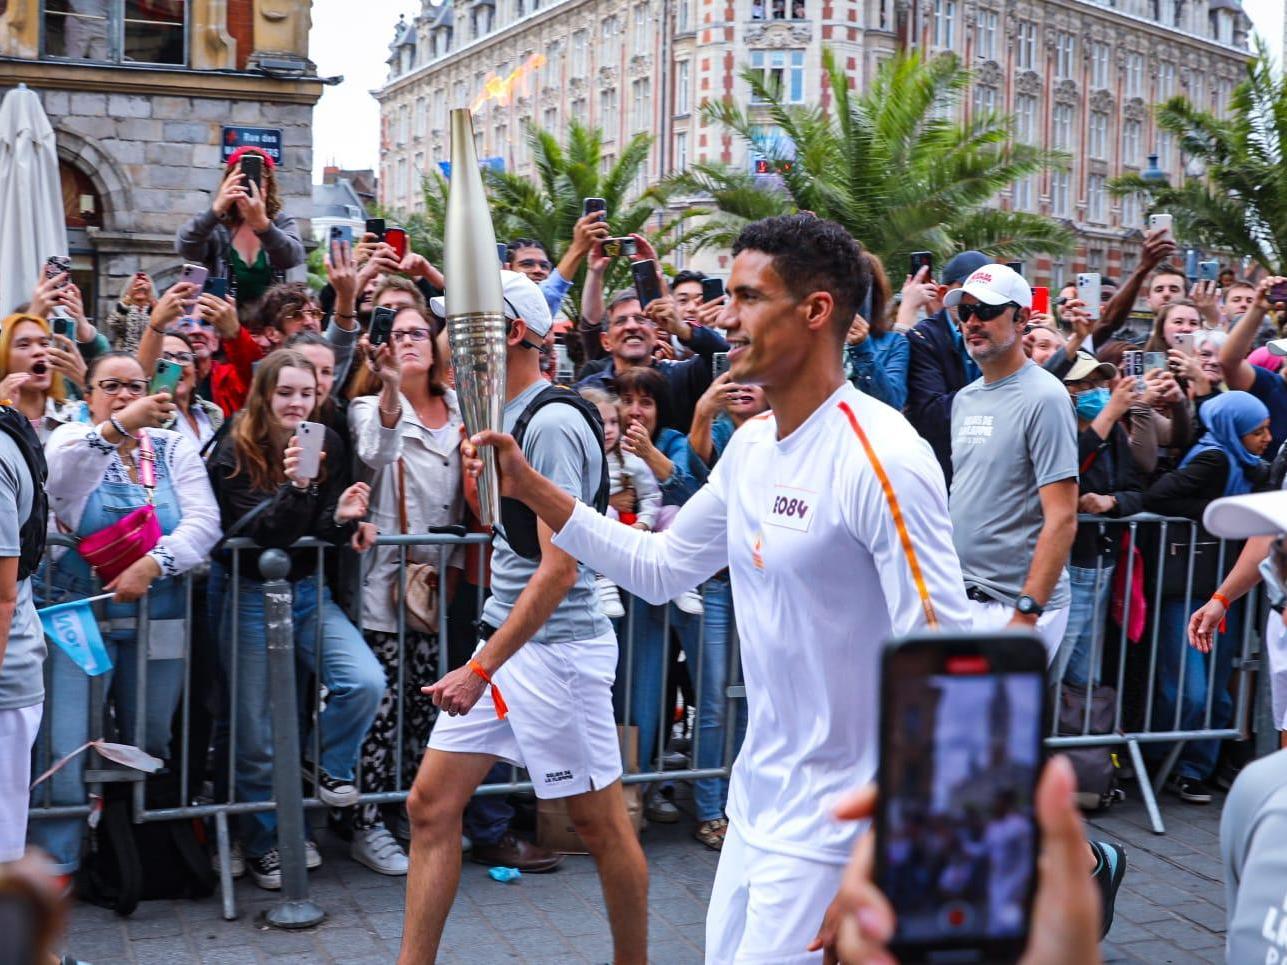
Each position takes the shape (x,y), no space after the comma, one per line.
(252,280)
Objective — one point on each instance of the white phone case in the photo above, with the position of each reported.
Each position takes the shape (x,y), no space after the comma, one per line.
(310,436)
(1162,221)
(1089,291)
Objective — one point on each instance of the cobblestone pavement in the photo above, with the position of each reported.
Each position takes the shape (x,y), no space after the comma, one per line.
(1170,910)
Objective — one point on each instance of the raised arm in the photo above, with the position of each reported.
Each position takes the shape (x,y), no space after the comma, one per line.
(1157,248)
(1238,372)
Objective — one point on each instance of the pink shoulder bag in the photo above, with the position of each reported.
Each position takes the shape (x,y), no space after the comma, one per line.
(111,551)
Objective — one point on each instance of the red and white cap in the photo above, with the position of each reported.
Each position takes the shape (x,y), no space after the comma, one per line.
(993,285)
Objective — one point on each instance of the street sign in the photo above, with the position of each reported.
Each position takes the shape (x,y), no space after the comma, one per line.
(267,139)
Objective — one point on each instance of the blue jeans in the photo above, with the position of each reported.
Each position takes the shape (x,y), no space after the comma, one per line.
(1087,615)
(66,726)
(1198,759)
(705,641)
(346,666)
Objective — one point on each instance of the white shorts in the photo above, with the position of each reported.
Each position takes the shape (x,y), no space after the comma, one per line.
(560,724)
(765,906)
(1051,625)
(18,729)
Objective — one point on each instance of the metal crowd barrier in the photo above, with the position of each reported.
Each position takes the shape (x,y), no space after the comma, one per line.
(295,909)
(1137,664)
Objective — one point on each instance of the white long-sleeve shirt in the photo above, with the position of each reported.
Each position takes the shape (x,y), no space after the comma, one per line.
(625,468)
(820,581)
(80,459)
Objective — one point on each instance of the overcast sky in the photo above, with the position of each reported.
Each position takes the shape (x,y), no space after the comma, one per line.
(351,38)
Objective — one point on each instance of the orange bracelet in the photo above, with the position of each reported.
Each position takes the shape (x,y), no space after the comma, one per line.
(501,708)
(1222,600)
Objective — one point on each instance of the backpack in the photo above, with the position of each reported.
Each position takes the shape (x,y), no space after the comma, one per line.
(1095,767)
(32,533)
(127,863)
(518,523)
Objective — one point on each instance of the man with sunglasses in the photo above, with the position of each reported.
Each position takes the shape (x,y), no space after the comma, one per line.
(1254,823)
(1013,497)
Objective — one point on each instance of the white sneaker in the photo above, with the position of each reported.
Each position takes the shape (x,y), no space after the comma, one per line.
(609,598)
(466,844)
(379,850)
(312,857)
(236,860)
(690,602)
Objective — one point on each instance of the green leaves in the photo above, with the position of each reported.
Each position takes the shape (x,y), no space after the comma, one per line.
(882,162)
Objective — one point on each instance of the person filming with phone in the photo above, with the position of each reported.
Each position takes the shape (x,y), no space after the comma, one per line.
(244,235)
(1269,387)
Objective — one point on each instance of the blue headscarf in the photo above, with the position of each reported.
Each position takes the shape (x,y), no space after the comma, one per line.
(1227,418)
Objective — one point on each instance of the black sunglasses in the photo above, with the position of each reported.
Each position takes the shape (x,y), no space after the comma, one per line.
(984,313)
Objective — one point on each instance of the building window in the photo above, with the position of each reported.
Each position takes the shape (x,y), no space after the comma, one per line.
(1062,127)
(609,120)
(1100,65)
(553,67)
(681,87)
(641,105)
(985,100)
(782,71)
(1097,135)
(1135,75)
(1132,213)
(681,151)
(118,31)
(458,94)
(1060,194)
(1065,53)
(404,123)
(1025,45)
(1023,195)
(550,121)
(1132,154)
(422,116)
(579,64)
(1165,81)
(944,24)
(684,16)
(640,38)
(1165,149)
(482,20)
(884,14)
(986,35)
(777,9)
(578,110)
(1096,193)
(1025,118)
(402,189)
(440,110)
(522,147)
(610,42)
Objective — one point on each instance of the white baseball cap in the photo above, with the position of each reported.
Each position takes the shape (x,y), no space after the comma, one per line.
(1241,517)
(993,285)
(523,299)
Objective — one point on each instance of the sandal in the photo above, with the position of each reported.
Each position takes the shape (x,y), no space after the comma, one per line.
(711,833)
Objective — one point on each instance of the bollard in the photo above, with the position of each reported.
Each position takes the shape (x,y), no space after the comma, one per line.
(295,910)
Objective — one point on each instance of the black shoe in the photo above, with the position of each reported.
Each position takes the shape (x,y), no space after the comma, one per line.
(1109,874)
(1190,789)
(266,870)
(336,791)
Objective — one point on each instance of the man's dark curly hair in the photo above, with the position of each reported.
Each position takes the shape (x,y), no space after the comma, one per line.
(811,254)
(283,299)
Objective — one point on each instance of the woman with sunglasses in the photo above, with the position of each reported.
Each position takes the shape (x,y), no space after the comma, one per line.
(99,473)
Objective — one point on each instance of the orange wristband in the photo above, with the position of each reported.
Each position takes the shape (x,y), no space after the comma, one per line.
(1222,600)
(501,709)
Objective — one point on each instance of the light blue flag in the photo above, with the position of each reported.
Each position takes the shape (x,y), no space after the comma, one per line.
(73,627)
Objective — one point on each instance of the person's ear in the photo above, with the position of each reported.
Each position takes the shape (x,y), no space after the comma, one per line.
(819,308)
(605,341)
(517,333)
(1022,315)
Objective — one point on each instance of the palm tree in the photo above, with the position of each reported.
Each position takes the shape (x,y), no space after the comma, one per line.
(882,163)
(1239,204)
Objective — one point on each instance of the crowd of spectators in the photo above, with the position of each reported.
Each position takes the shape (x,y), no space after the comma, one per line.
(219,456)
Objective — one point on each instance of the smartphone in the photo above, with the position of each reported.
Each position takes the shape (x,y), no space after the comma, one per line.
(1162,221)
(712,288)
(564,370)
(310,436)
(194,274)
(1183,341)
(1133,367)
(502,252)
(961,720)
(590,205)
(1016,267)
(1090,292)
(396,238)
(647,284)
(616,247)
(342,232)
(1278,293)
(1041,299)
(1154,360)
(252,166)
(375,226)
(1208,271)
(719,364)
(919,260)
(381,325)
(166,377)
(216,286)
(56,265)
(64,325)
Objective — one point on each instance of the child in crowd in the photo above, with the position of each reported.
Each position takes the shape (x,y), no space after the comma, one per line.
(627,475)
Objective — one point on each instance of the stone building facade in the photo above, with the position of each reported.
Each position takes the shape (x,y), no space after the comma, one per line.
(138,96)
(1078,75)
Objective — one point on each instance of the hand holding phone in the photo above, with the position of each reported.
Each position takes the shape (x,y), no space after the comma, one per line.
(396,238)
(381,325)
(619,247)
(167,377)
(647,284)
(1161,222)
(375,226)
(919,260)
(56,265)
(1090,291)
(252,166)
(309,439)
(712,289)
(1041,299)
(590,205)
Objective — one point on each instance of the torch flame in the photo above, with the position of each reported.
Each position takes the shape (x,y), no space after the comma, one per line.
(501,90)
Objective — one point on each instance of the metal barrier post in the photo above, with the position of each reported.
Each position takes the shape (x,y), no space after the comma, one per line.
(295,910)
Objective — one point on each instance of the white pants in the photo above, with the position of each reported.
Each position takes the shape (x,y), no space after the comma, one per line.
(765,906)
(1051,625)
(18,729)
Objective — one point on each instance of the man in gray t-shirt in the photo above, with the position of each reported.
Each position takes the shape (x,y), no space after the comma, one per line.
(1014,466)
(22,652)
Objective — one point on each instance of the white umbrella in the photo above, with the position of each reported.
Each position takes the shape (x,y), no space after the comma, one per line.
(31,202)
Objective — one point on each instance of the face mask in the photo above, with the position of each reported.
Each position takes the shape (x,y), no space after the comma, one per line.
(1091,403)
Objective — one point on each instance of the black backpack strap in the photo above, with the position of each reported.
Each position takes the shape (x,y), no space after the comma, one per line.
(518,523)
(35,527)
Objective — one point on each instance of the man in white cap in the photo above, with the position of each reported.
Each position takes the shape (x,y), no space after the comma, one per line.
(1014,485)
(1254,823)
(549,650)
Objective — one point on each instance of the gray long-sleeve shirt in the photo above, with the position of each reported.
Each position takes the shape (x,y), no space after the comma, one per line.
(1253,848)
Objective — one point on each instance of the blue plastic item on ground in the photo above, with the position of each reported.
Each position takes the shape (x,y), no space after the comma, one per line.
(504,875)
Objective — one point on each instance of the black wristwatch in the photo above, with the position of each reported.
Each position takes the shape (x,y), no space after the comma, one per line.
(1028,606)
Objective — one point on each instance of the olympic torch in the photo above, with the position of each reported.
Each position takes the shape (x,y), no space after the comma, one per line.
(475,305)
